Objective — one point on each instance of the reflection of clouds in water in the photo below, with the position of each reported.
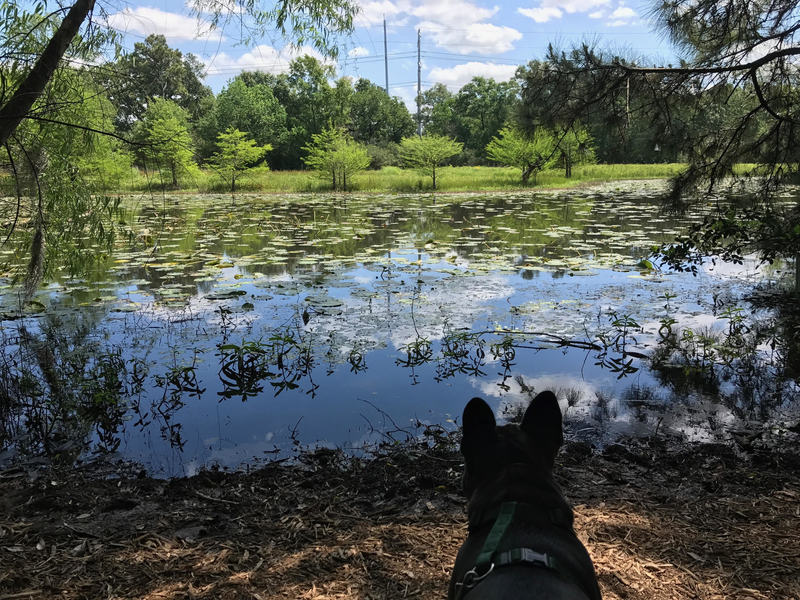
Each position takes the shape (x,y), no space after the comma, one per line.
(593,410)
(515,400)
(226,453)
(749,269)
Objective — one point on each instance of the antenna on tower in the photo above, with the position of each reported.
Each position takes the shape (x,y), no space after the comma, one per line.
(386,56)
(419,84)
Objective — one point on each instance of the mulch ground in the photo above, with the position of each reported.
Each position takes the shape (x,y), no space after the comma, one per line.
(660,522)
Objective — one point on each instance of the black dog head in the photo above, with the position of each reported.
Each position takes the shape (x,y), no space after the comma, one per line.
(487,448)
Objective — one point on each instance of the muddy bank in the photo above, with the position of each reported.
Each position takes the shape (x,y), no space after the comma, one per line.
(660,521)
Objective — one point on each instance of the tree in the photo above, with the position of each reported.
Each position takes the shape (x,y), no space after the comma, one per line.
(733,99)
(31,63)
(335,155)
(237,154)
(436,111)
(574,147)
(154,70)
(251,108)
(309,102)
(377,118)
(480,108)
(426,153)
(164,135)
(529,153)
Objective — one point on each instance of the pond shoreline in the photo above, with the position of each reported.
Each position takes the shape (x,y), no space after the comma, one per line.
(534,189)
(660,518)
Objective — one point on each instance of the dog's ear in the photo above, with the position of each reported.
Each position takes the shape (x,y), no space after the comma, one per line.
(542,422)
(478,420)
(478,444)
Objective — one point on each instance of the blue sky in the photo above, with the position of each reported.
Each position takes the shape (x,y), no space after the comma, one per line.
(460,38)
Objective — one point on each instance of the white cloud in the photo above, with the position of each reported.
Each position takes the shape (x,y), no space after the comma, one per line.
(623,12)
(473,38)
(599,14)
(575,6)
(542,14)
(357,52)
(455,77)
(260,58)
(555,9)
(145,20)
(453,13)
(372,12)
(457,25)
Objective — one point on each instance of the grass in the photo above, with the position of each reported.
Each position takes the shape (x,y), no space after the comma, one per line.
(397,180)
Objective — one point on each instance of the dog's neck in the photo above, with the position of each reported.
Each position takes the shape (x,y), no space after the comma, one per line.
(518,483)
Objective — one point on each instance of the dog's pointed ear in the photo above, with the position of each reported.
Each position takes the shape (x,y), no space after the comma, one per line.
(542,422)
(478,421)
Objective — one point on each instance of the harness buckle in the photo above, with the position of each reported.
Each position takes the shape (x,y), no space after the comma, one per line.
(471,577)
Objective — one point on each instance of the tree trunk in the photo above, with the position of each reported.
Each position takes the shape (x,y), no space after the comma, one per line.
(434,176)
(233,183)
(526,173)
(18,107)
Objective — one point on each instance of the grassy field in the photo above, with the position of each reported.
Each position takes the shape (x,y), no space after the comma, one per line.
(395,179)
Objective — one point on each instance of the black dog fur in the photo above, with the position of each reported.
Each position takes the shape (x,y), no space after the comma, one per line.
(510,463)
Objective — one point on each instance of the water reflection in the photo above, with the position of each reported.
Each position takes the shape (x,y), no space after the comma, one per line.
(227,333)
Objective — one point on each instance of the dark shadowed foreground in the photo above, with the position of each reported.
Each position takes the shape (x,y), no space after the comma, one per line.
(659,521)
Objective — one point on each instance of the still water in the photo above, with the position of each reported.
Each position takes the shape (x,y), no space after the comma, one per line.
(224,332)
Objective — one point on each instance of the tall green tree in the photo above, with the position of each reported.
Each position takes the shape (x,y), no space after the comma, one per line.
(154,70)
(336,156)
(166,144)
(436,111)
(529,153)
(237,154)
(251,108)
(480,108)
(377,118)
(428,152)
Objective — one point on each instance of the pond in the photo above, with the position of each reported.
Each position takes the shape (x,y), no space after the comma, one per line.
(225,331)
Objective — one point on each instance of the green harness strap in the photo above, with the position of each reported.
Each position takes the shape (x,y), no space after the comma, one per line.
(489,557)
(501,524)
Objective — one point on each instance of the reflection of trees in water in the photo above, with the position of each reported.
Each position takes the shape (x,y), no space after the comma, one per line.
(59,385)
(63,386)
(749,366)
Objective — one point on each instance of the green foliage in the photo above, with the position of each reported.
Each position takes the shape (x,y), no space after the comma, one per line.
(315,22)
(252,108)
(436,111)
(154,70)
(480,109)
(376,118)
(426,153)
(530,154)
(336,156)
(167,145)
(236,155)
(574,147)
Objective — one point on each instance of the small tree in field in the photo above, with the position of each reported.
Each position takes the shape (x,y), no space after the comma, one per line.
(428,152)
(574,148)
(164,133)
(237,154)
(335,155)
(531,154)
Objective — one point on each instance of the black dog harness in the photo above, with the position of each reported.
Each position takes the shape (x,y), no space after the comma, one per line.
(490,559)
